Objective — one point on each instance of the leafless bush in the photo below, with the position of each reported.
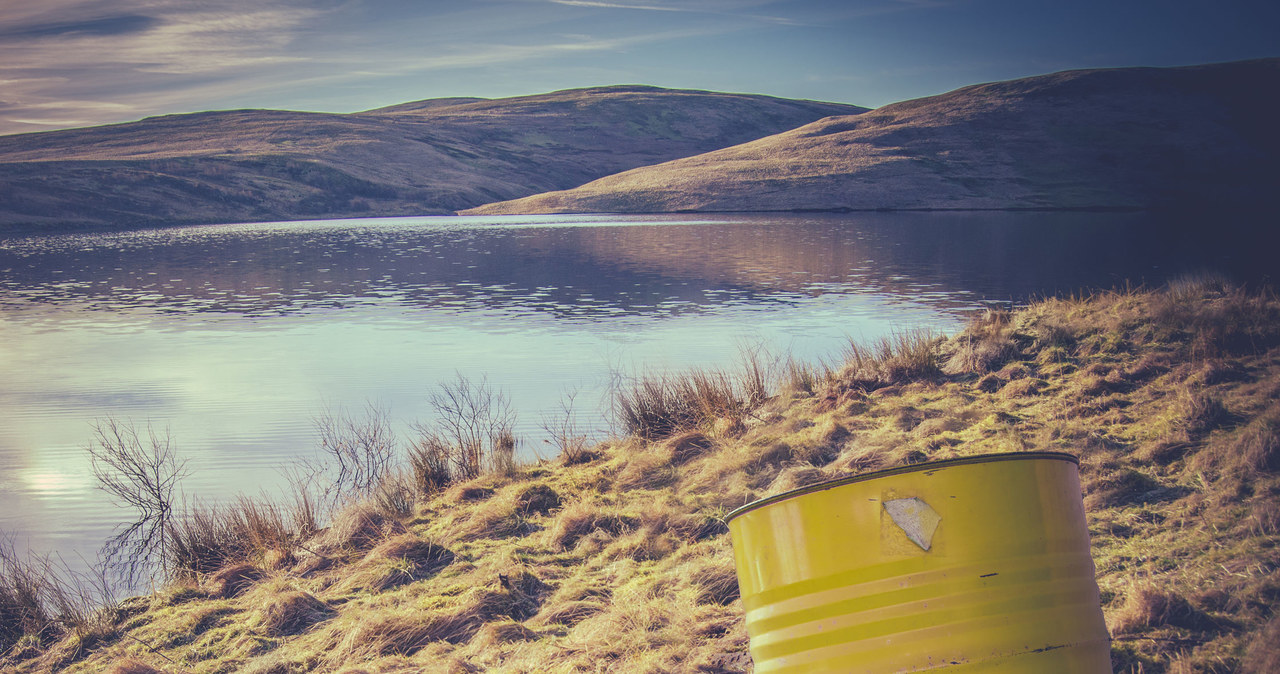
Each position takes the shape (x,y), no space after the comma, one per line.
(566,433)
(359,452)
(141,475)
(471,432)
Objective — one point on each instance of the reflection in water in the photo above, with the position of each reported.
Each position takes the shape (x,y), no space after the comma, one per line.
(233,337)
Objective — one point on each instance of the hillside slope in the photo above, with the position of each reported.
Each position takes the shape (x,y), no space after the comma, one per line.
(426,157)
(1118,138)
(616,558)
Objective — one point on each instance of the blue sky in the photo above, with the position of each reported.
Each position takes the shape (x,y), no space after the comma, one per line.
(81,62)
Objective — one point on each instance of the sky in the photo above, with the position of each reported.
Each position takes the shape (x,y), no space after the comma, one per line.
(68,63)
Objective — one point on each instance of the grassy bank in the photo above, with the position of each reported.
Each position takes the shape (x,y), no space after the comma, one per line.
(615,557)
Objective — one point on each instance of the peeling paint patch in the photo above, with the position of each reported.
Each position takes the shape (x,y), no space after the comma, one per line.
(916,519)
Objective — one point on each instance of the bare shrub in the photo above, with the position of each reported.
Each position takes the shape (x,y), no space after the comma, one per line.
(141,475)
(472,432)
(358,453)
(566,432)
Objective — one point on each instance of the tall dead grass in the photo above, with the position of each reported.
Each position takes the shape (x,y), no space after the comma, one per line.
(42,600)
(208,538)
(662,406)
(899,358)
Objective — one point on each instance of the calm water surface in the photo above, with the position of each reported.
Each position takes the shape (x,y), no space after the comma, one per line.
(234,337)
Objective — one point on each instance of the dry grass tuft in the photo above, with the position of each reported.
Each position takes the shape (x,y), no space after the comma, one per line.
(503,632)
(651,469)
(688,446)
(660,407)
(133,666)
(900,358)
(795,477)
(1201,412)
(398,561)
(1263,654)
(537,499)
(497,518)
(581,518)
(717,583)
(985,345)
(569,613)
(405,634)
(292,613)
(1147,606)
(206,539)
(233,580)
(398,634)
(1257,448)
(461,493)
(358,527)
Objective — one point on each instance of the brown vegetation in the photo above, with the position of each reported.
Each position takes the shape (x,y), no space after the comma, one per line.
(622,562)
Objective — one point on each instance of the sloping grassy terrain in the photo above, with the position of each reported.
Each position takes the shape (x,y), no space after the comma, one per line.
(616,557)
(428,157)
(1116,138)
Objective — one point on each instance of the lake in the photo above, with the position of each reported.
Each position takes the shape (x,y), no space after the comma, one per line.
(234,337)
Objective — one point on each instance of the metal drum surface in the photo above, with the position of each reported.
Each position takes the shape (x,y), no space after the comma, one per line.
(978,564)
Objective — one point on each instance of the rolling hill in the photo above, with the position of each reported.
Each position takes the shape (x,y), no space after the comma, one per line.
(1088,139)
(425,157)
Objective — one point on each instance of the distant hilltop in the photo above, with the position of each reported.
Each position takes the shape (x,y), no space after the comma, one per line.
(1125,138)
(1086,139)
(426,157)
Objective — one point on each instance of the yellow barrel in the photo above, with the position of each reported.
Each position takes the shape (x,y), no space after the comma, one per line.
(979,564)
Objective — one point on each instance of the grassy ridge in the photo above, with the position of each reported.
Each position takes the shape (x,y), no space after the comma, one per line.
(616,557)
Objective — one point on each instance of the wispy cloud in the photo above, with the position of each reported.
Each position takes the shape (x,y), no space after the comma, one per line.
(88,61)
(618,5)
(727,8)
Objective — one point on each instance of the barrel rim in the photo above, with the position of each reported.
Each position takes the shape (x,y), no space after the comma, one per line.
(899,470)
